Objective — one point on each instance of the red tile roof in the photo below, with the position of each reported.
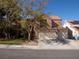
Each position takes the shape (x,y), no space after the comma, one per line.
(55,18)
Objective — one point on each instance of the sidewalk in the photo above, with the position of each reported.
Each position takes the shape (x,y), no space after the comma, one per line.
(18,46)
(72,45)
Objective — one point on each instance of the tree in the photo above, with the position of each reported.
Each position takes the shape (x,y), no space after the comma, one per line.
(34,9)
(11,7)
(12,11)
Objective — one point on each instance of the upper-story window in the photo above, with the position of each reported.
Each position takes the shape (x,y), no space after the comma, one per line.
(54,24)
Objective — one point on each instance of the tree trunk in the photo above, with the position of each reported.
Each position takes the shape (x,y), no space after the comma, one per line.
(29,36)
(32,34)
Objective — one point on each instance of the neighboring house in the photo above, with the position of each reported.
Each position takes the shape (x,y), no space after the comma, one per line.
(73,28)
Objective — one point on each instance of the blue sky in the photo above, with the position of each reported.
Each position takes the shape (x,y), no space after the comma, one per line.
(66,9)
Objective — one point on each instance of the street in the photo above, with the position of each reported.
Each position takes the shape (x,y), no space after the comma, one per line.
(38,54)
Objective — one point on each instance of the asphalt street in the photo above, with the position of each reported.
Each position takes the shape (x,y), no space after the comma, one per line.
(38,54)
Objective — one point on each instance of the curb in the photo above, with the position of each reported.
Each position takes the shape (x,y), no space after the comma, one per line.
(36,47)
(18,46)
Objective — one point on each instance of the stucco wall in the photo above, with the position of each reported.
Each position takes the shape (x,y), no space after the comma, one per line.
(52,35)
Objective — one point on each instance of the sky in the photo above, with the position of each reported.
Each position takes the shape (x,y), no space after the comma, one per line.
(66,9)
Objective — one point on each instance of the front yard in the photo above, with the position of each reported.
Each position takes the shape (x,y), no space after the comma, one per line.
(18,42)
(12,42)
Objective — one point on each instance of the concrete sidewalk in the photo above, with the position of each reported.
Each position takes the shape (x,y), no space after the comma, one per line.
(54,45)
(18,46)
(39,47)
